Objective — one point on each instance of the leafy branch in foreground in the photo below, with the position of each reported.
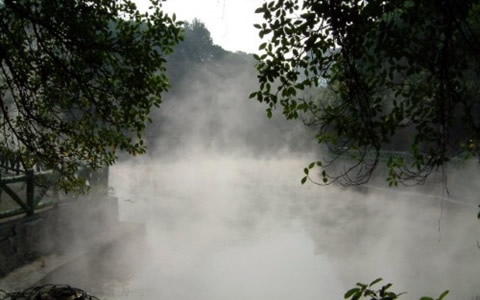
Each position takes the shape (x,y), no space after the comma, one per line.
(78,80)
(370,76)
(367,291)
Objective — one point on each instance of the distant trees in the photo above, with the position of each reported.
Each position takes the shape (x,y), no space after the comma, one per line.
(197,47)
(397,74)
(204,107)
(78,80)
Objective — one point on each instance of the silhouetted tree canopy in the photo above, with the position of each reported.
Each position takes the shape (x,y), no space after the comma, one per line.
(375,75)
(78,79)
(196,47)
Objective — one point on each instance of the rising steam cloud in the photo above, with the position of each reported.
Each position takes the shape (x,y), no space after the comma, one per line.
(228,219)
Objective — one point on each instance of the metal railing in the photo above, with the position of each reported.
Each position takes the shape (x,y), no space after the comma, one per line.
(385,155)
(23,192)
(30,202)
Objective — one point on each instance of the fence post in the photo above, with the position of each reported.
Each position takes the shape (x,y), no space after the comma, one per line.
(30,192)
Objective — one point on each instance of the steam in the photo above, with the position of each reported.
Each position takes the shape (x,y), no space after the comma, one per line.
(209,111)
(227,218)
(228,227)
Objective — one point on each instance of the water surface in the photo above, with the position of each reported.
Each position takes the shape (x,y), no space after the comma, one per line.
(224,227)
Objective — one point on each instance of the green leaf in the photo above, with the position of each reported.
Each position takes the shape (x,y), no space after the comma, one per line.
(443,295)
(362,285)
(351,292)
(311,165)
(375,281)
(304,179)
(426,298)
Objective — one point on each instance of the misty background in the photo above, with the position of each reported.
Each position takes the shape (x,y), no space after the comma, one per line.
(227,218)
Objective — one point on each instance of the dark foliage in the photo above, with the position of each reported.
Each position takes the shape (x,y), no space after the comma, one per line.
(370,76)
(78,80)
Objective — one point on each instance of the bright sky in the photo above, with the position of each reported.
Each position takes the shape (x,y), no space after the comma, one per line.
(230,22)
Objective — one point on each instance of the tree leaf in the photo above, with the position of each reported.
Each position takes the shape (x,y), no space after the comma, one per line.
(443,295)
(351,292)
(375,281)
